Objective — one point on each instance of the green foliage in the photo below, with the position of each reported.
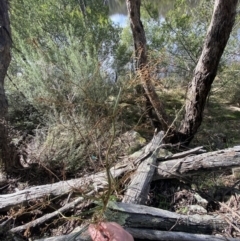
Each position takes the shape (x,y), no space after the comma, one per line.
(227,82)
(64,54)
(174,39)
(59,69)
(185,29)
(163,202)
(123,55)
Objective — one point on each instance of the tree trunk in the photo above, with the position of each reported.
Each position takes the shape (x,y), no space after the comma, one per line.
(217,36)
(141,64)
(5,58)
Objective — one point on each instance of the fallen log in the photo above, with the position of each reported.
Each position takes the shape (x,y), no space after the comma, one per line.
(138,189)
(69,237)
(83,185)
(81,235)
(211,161)
(140,216)
(25,197)
(148,234)
(196,150)
(149,223)
(219,160)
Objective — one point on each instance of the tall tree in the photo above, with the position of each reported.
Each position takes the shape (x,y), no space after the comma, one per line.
(218,33)
(217,37)
(140,45)
(5,58)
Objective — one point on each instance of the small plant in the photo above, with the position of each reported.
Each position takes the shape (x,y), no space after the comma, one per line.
(163,202)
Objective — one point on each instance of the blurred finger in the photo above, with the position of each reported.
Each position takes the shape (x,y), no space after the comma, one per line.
(96,233)
(115,232)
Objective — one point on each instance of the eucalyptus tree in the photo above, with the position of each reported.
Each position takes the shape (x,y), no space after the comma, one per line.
(140,46)
(218,33)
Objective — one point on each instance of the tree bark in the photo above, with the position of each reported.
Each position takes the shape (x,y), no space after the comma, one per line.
(140,45)
(140,216)
(188,166)
(138,189)
(217,36)
(149,234)
(5,58)
(148,223)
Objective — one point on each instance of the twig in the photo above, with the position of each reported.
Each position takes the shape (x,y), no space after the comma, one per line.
(47,216)
(196,150)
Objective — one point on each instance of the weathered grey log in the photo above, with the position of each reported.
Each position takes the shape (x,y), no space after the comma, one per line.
(86,184)
(138,188)
(22,198)
(81,235)
(196,150)
(211,161)
(149,234)
(149,223)
(219,160)
(140,216)
(69,237)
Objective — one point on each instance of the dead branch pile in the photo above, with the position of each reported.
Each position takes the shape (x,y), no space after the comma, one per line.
(142,222)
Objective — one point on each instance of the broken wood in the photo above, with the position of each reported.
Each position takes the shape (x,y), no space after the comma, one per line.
(136,216)
(149,234)
(83,185)
(211,161)
(25,197)
(218,160)
(69,237)
(149,223)
(138,189)
(81,235)
(140,216)
(48,216)
(196,150)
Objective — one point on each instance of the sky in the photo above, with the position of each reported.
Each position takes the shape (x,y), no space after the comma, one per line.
(119,19)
